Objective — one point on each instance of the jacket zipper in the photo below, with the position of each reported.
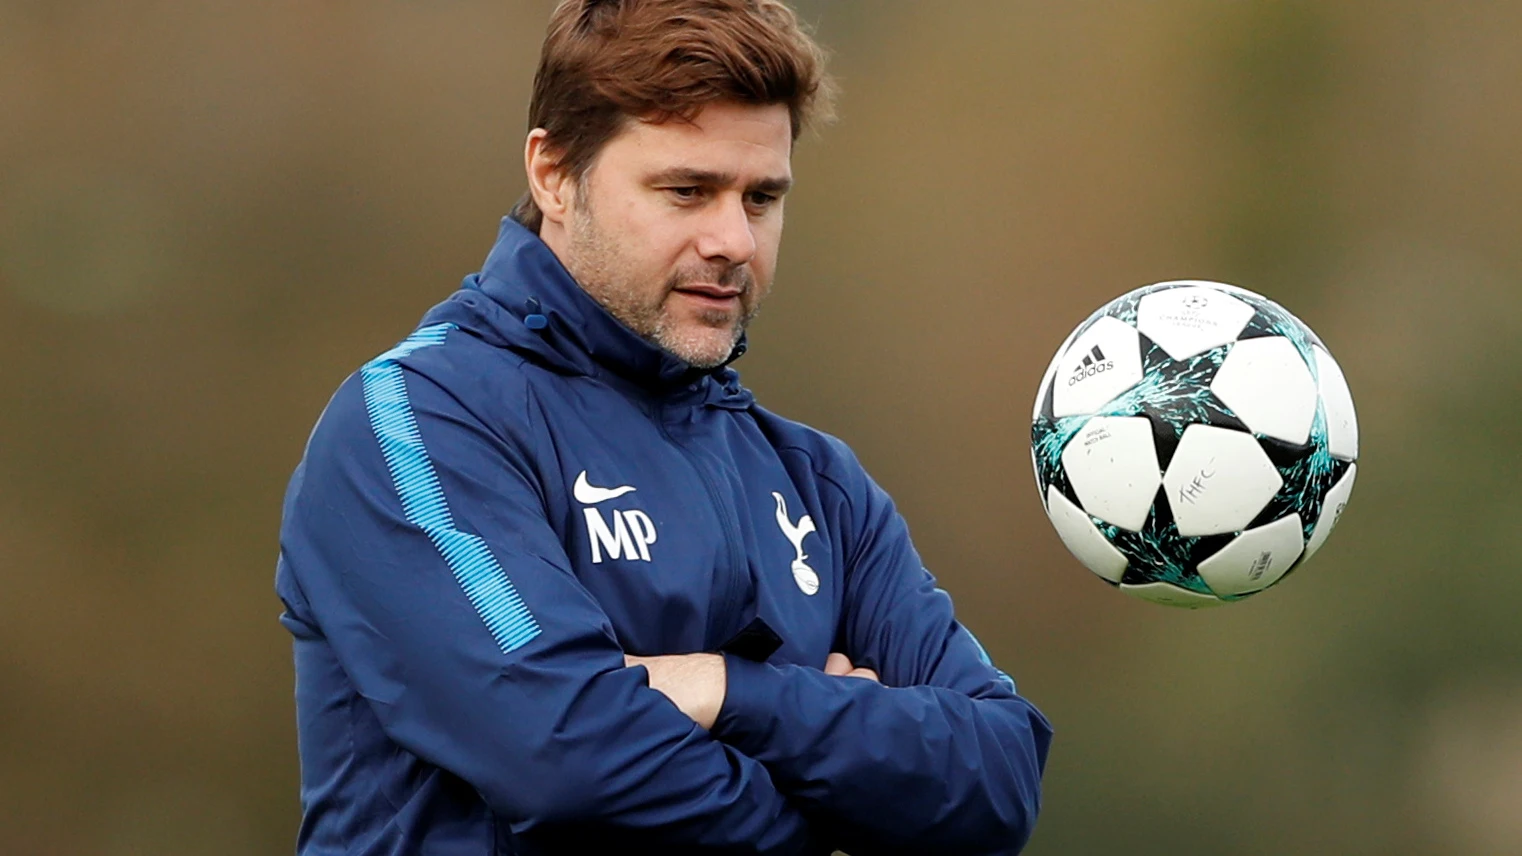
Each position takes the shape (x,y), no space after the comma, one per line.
(726,583)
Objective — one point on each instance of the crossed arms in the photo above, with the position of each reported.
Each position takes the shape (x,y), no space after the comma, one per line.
(695,683)
(568,738)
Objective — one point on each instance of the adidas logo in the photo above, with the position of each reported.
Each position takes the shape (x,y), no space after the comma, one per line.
(1094,362)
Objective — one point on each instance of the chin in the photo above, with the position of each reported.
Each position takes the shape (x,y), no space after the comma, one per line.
(707,359)
(707,350)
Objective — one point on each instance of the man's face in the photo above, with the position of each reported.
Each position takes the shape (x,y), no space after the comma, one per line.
(675,227)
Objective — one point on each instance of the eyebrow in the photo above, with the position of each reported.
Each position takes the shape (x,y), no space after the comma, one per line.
(709,178)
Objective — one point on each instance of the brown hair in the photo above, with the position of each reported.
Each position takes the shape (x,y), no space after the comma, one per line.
(607,61)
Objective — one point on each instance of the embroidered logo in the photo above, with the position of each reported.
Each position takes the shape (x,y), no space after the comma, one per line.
(587,494)
(629,536)
(803,575)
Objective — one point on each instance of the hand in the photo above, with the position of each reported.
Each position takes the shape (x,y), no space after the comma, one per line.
(695,683)
(840,665)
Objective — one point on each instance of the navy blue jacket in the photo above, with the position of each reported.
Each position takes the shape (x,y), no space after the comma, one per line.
(492,513)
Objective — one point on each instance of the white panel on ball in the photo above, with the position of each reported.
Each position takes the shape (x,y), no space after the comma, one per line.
(1082,538)
(1218,481)
(1256,559)
(1191,319)
(1341,420)
(1100,364)
(1170,595)
(1113,466)
(1267,384)
(1210,283)
(1331,510)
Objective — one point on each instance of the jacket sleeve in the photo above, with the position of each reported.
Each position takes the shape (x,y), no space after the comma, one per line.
(943,756)
(422,546)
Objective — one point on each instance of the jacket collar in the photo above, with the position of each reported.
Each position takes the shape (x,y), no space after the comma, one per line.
(539,308)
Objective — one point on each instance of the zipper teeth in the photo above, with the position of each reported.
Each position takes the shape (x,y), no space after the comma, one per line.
(726,520)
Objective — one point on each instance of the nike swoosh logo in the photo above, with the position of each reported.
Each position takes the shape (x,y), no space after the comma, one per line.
(588,494)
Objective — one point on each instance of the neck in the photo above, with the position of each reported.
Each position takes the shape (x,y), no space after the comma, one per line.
(555,236)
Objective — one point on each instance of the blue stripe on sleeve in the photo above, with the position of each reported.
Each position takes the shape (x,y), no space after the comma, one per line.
(468,557)
(988,661)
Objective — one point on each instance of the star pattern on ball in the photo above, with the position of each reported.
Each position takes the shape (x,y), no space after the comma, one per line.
(1159,554)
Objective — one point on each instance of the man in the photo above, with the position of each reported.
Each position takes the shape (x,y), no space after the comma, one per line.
(558,585)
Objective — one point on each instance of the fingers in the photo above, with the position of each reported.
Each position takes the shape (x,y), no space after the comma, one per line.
(838,665)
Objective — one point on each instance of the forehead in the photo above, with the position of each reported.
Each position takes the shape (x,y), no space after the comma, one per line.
(744,139)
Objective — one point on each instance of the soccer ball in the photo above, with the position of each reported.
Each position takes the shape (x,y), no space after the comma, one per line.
(1193,443)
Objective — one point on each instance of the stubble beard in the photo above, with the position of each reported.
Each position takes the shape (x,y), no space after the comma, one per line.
(704,341)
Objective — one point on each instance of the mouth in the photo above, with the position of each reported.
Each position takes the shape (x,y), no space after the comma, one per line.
(718,292)
(709,295)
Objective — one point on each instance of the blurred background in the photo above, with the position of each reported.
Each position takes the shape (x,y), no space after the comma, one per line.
(211,212)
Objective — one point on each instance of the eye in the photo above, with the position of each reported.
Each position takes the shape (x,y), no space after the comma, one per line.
(761,200)
(686,193)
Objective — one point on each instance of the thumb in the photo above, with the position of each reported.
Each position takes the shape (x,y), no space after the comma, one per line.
(838,665)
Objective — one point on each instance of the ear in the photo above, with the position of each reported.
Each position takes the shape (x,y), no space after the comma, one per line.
(552,189)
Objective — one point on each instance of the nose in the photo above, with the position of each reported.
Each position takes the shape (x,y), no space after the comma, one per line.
(727,232)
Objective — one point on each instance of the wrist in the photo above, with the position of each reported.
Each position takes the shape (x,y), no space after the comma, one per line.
(695,683)
(745,687)
(710,673)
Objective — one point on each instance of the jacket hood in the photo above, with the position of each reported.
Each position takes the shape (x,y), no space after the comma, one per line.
(524,299)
